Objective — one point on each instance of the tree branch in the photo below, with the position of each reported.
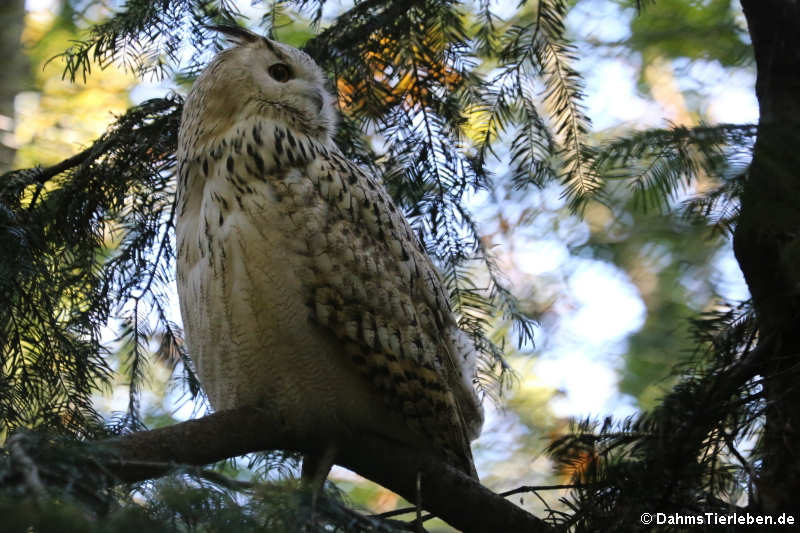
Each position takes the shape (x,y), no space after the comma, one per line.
(45,174)
(461,501)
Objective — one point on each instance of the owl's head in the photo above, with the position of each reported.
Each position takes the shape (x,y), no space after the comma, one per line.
(263,76)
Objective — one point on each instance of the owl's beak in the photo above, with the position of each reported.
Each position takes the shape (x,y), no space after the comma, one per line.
(316,96)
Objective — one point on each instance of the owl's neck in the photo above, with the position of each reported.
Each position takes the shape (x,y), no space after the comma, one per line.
(255,145)
(299,122)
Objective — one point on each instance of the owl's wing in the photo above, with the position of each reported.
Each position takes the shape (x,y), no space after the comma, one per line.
(373,285)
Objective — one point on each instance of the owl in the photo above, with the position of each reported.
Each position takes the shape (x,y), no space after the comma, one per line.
(302,287)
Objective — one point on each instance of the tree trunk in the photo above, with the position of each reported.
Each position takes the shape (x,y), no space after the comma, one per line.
(12,18)
(767,242)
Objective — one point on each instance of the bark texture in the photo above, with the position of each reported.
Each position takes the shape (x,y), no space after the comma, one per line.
(767,242)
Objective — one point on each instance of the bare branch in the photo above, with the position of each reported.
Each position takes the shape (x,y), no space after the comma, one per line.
(461,501)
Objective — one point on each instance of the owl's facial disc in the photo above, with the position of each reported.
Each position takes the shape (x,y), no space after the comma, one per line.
(284,74)
(291,89)
(291,84)
(279,82)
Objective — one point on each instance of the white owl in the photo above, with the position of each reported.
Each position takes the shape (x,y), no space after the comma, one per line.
(302,288)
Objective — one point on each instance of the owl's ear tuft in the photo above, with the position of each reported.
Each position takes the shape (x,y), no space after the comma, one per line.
(237,34)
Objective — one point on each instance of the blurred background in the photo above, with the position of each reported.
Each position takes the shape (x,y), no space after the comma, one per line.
(612,292)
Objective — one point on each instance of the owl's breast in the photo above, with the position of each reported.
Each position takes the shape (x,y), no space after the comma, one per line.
(243,279)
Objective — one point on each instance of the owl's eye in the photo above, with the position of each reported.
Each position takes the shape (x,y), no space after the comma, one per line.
(280,72)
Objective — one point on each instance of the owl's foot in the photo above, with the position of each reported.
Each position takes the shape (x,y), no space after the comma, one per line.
(315,471)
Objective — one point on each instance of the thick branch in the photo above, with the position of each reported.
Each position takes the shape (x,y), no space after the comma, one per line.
(446,492)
